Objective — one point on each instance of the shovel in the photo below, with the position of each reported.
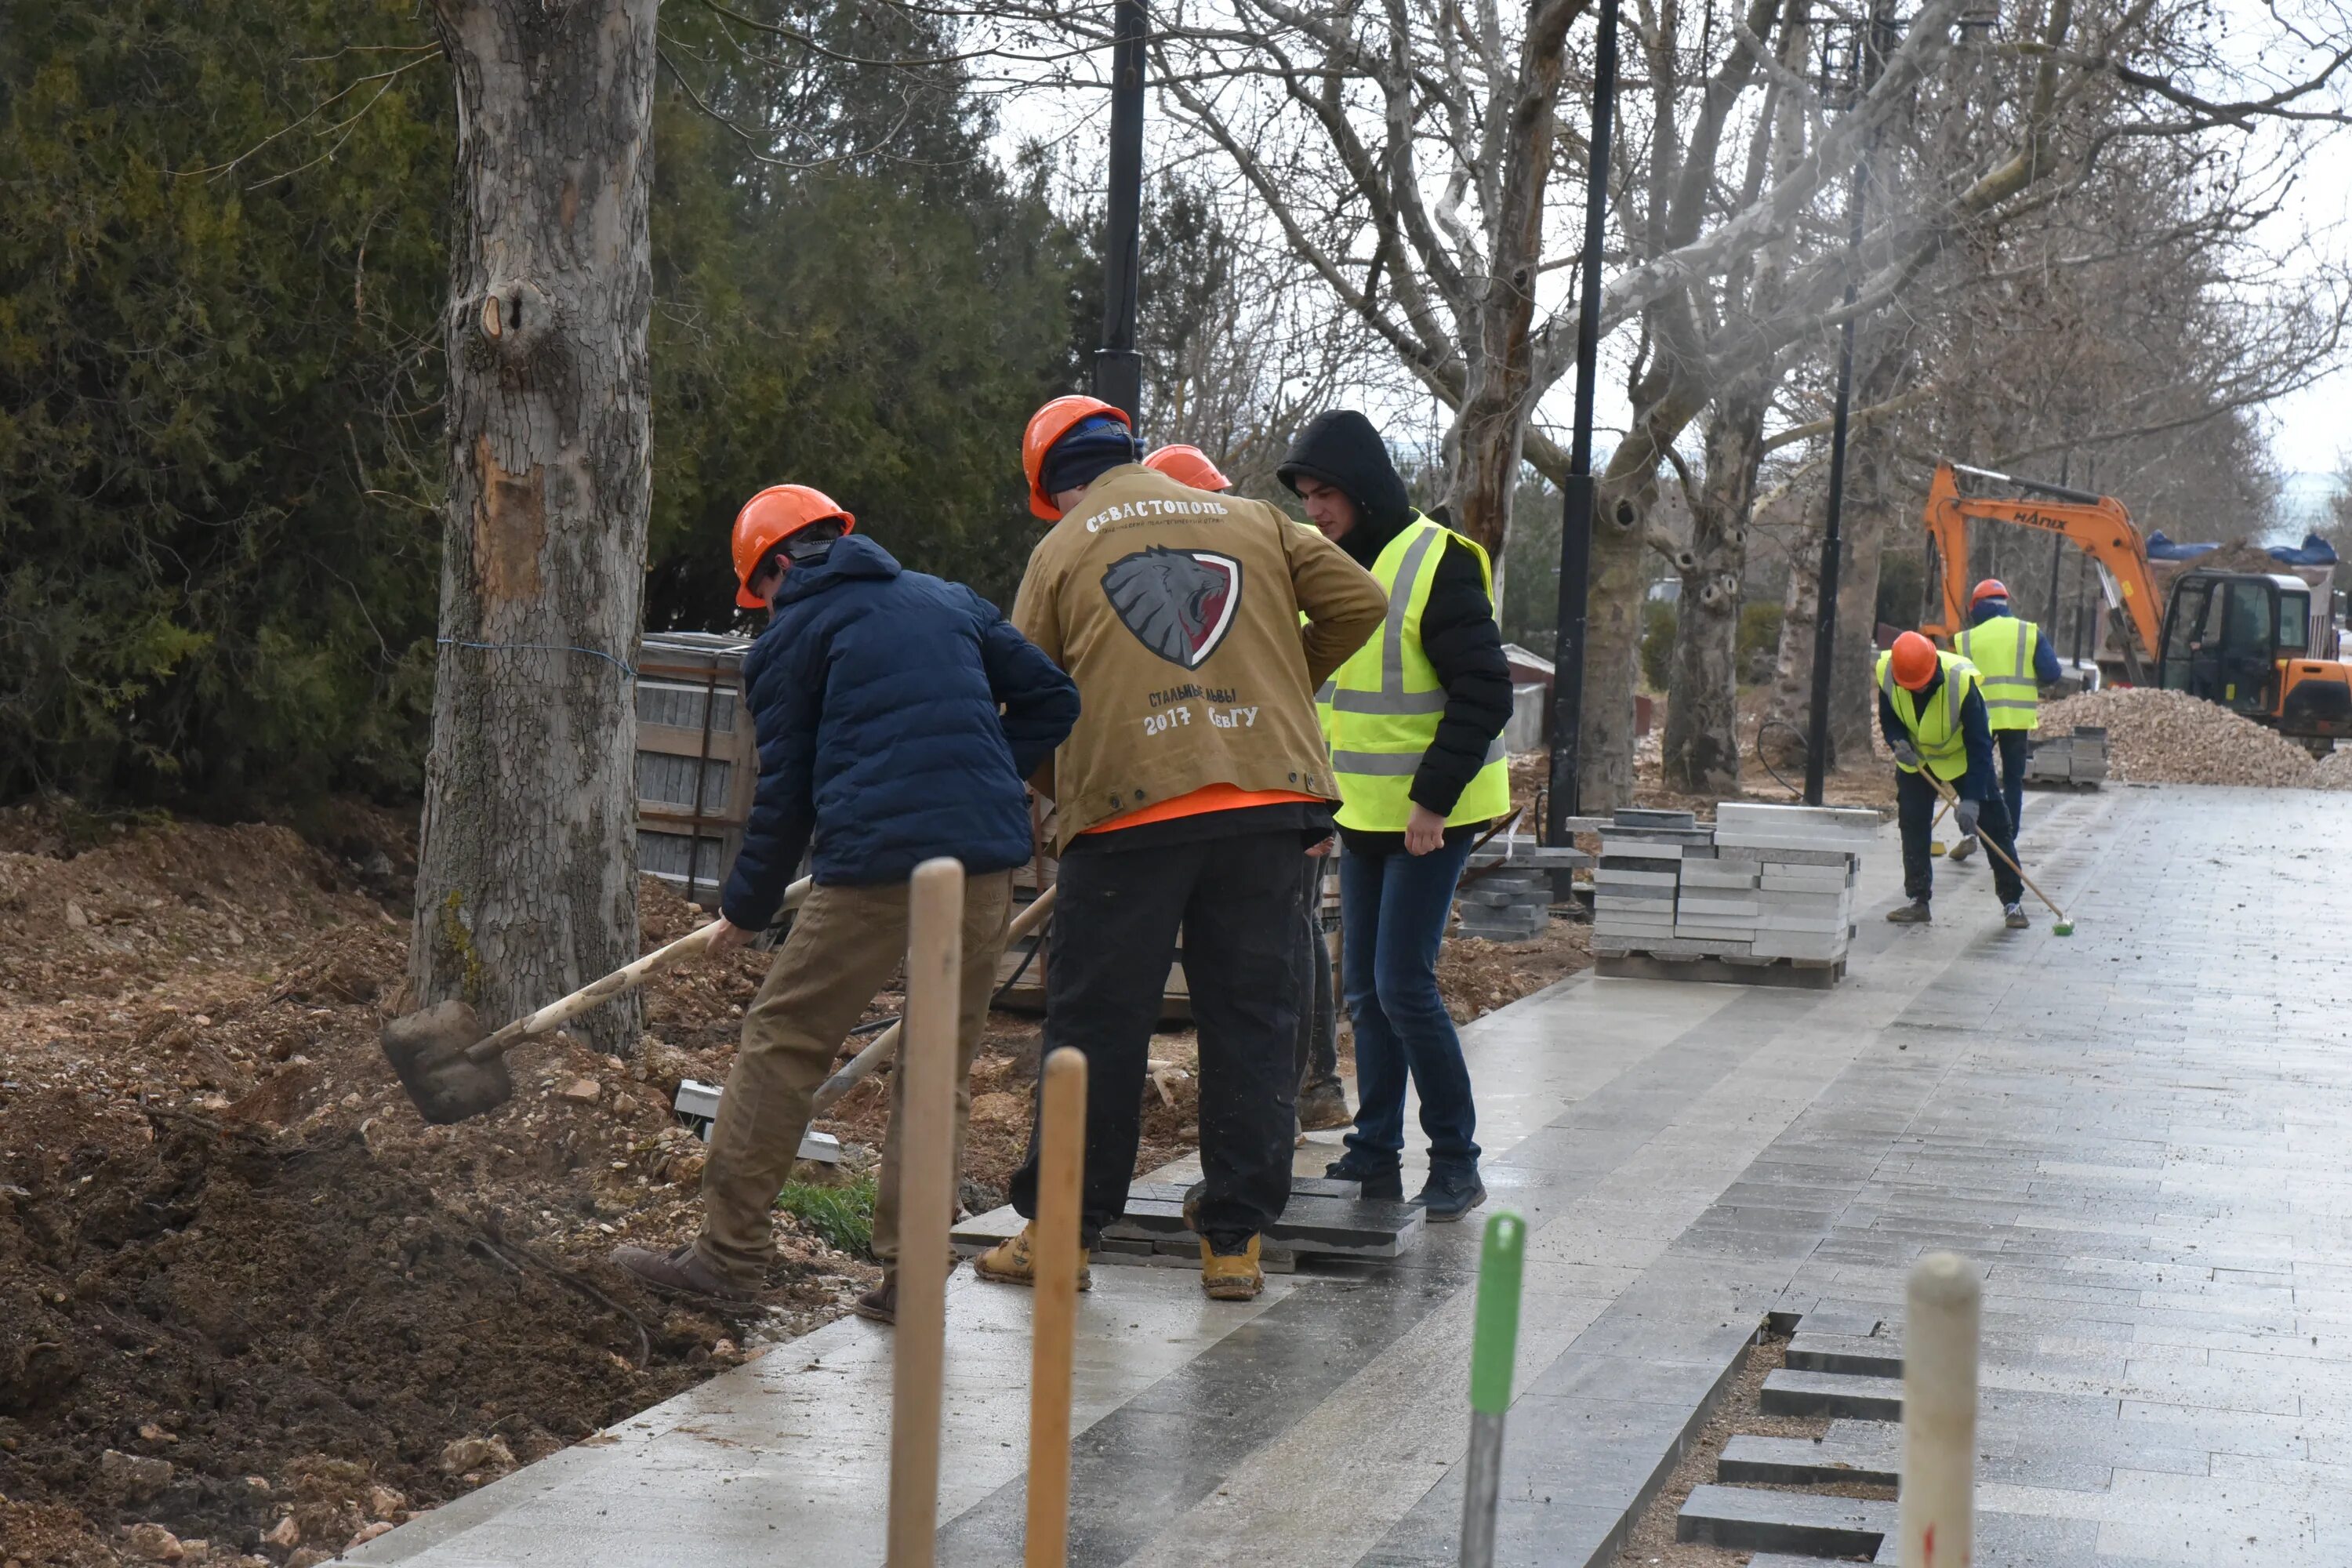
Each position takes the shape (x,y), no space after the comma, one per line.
(453,1068)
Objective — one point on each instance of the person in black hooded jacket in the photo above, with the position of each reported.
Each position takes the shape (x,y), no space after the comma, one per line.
(1397,886)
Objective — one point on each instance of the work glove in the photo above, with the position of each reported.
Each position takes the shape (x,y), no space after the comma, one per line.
(1906,753)
(1965,814)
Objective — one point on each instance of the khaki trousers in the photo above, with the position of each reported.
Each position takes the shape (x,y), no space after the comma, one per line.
(846,944)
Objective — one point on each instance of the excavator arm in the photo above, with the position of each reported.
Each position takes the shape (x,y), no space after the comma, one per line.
(2097,524)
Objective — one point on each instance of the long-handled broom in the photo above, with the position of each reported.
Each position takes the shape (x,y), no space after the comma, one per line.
(2061,926)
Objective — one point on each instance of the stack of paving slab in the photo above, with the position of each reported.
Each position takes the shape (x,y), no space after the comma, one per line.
(1638,880)
(1763,885)
(2077,759)
(1518,881)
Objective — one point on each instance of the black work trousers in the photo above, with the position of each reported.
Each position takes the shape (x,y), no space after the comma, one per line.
(2014,746)
(1116,919)
(1914,807)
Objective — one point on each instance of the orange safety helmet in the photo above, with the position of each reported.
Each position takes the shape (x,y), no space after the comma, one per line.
(1189,466)
(1915,661)
(769,518)
(1047,425)
(1990,588)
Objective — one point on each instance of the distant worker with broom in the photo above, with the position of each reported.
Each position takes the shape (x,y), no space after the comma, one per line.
(2014,662)
(1932,710)
(1322,1097)
(1184,798)
(897,715)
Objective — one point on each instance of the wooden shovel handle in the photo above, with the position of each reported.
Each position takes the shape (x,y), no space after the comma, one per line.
(864,1064)
(628,977)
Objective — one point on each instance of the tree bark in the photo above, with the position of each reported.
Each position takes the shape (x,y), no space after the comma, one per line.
(1701,749)
(527,879)
(1489,429)
(1869,517)
(1663,405)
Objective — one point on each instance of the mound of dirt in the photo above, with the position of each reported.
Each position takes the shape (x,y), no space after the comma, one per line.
(2170,737)
(229,1245)
(217,1331)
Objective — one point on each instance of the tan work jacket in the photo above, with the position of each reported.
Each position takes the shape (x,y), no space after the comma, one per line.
(1176,612)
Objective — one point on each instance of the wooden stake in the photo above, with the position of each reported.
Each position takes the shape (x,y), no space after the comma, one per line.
(926,1185)
(1061,1172)
(1939,1413)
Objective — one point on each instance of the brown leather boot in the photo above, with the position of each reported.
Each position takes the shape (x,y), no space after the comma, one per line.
(880,1304)
(680,1273)
(1325,1107)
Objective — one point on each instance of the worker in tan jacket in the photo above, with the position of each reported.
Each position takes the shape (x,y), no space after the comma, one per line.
(1196,777)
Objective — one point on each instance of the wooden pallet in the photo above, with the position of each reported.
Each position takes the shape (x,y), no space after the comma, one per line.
(1795,973)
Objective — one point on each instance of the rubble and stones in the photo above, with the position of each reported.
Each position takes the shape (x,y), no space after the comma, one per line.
(2170,737)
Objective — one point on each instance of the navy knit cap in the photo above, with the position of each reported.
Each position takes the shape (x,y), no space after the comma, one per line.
(1088,450)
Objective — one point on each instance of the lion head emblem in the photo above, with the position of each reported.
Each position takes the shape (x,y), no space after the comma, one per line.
(1178,603)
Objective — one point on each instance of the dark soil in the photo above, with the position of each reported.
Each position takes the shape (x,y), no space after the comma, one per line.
(243,1305)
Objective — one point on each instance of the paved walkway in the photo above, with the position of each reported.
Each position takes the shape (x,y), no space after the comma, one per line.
(2133,1127)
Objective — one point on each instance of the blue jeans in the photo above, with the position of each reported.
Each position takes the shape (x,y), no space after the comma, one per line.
(1392,914)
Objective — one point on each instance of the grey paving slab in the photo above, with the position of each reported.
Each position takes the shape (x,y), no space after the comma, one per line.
(1873,1459)
(2136,1130)
(1756,1520)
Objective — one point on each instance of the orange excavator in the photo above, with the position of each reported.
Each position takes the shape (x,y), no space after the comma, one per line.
(2261,644)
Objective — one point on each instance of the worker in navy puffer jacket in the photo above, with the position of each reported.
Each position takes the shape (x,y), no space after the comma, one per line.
(875,693)
(897,715)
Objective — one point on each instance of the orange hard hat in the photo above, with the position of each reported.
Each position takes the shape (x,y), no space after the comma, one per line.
(1990,588)
(1047,425)
(1189,466)
(1915,661)
(769,518)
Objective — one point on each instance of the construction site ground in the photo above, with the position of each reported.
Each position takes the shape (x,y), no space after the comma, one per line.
(242,1284)
(2136,1130)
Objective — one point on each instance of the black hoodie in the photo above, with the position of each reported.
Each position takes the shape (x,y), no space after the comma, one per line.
(1457,625)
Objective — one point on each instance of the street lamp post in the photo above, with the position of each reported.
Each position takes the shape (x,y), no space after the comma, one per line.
(1581,492)
(1119,368)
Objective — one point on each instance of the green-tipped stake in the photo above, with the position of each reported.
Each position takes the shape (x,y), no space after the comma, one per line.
(1493,1349)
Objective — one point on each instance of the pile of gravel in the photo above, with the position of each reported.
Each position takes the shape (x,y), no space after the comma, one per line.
(2170,737)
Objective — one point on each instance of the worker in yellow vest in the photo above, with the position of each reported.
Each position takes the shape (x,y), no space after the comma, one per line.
(1415,719)
(2014,662)
(1932,710)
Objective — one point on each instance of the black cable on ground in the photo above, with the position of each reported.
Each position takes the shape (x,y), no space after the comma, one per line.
(1766,763)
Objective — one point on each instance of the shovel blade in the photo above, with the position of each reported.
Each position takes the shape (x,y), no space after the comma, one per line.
(426,1050)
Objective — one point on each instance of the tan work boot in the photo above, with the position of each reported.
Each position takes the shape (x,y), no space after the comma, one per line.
(1232,1275)
(1014,1262)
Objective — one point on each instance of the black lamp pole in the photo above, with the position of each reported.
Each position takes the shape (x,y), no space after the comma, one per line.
(1579,495)
(1119,369)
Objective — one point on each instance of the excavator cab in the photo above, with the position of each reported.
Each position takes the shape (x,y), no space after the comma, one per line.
(2224,634)
(2242,639)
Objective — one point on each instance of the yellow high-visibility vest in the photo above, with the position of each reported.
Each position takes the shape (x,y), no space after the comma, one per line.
(1380,710)
(1936,733)
(2002,650)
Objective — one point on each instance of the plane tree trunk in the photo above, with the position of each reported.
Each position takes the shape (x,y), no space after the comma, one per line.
(527,881)
(1701,746)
